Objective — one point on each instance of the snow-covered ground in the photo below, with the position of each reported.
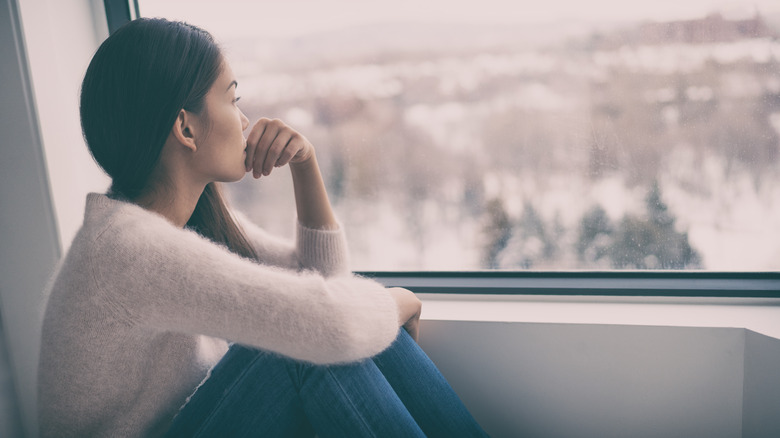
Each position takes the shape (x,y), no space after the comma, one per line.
(731,214)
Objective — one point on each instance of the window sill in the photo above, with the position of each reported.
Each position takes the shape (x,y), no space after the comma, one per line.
(674,299)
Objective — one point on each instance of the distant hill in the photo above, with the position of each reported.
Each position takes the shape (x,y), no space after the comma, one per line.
(396,41)
(388,41)
(713,28)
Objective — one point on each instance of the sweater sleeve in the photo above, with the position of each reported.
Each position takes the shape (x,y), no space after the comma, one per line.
(323,251)
(170,279)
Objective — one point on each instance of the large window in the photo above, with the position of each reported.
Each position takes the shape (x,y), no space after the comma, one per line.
(502,135)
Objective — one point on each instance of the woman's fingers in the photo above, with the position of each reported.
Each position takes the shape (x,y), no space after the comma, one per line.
(292,149)
(263,145)
(278,146)
(270,130)
(271,143)
(252,139)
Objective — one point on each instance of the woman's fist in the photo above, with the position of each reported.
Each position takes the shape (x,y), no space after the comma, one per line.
(271,143)
(409,309)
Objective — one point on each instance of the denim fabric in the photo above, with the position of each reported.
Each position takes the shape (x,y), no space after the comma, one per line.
(398,393)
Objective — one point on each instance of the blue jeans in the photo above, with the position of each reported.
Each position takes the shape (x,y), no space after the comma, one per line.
(398,393)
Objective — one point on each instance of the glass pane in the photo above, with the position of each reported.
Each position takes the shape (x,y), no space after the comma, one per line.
(511,135)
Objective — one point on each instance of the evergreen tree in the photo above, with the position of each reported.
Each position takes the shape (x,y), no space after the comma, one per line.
(657,211)
(497,231)
(652,242)
(595,236)
(534,242)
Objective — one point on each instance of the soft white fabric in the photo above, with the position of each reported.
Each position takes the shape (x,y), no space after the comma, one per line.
(139,310)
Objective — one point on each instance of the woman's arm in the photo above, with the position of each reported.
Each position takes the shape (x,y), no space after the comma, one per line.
(320,242)
(311,200)
(323,251)
(168,279)
(271,143)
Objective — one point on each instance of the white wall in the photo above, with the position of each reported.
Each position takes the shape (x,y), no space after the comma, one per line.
(29,243)
(45,47)
(600,366)
(549,380)
(762,387)
(61,37)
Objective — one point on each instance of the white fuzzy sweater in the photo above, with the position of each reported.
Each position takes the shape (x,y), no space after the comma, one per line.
(139,310)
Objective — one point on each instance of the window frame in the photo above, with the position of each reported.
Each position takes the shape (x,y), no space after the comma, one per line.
(587,283)
(119,12)
(643,283)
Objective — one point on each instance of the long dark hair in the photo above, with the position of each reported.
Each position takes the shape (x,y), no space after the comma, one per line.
(136,84)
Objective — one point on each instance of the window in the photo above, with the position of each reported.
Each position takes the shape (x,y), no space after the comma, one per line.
(467,136)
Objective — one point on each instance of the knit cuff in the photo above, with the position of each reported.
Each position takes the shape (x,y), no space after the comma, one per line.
(324,251)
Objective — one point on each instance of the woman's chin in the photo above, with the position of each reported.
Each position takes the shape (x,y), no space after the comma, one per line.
(234,178)
(240,176)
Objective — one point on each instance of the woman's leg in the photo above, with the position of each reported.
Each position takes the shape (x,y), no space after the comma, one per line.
(248,393)
(352,400)
(424,391)
(256,393)
(398,393)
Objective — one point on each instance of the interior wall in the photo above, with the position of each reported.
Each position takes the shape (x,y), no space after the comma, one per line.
(542,380)
(61,36)
(44,167)
(762,387)
(10,417)
(30,242)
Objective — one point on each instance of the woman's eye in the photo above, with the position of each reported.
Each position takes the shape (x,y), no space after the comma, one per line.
(236,99)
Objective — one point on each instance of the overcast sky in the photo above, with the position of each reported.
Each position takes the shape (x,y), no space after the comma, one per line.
(284,18)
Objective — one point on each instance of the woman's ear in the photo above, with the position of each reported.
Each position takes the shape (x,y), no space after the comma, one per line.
(183,130)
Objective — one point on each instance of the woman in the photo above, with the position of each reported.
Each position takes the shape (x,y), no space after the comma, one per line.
(161,274)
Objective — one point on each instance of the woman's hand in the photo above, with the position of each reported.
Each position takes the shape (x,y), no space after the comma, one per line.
(271,143)
(409,308)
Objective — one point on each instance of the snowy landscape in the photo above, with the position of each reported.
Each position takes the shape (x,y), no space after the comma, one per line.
(646,145)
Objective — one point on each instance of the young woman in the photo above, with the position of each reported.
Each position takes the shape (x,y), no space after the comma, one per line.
(162,274)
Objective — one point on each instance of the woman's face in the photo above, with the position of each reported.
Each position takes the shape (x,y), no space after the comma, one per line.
(221,146)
